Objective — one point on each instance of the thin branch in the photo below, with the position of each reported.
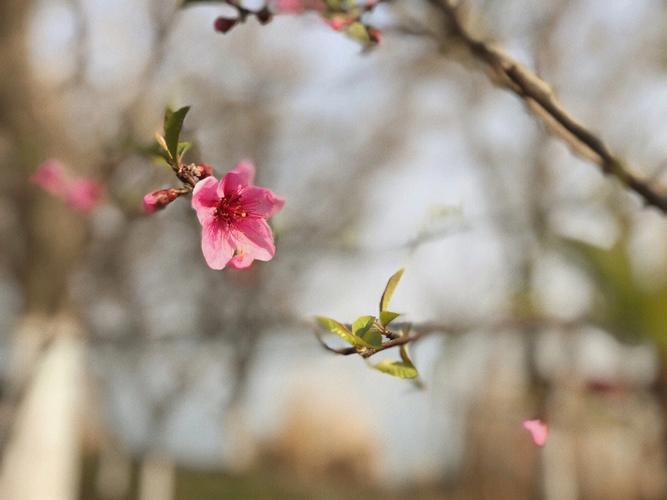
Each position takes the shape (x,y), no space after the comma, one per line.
(538,96)
(419,331)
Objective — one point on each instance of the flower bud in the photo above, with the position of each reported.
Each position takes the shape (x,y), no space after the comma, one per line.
(338,23)
(375,35)
(264,16)
(202,170)
(223,24)
(157,200)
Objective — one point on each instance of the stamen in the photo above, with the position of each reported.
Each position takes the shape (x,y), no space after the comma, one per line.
(230,209)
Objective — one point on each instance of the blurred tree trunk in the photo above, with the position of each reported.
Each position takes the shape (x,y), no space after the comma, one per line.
(156,478)
(42,460)
(50,237)
(41,398)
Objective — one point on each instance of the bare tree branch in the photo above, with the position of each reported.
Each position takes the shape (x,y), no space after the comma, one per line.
(540,99)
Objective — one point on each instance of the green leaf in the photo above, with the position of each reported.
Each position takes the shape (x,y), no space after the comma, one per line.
(341,330)
(173,123)
(153,150)
(389,289)
(183,147)
(387,317)
(624,305)
(362,324)
(358,31)
(162,145)
(373,337)
(334,5)
(405,355)
(398,369)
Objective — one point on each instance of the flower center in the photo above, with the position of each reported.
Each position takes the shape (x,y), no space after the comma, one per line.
(230,209)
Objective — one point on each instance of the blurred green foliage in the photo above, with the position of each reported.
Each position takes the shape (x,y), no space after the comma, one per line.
(625,305)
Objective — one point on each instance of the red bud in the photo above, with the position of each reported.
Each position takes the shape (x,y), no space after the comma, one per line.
(264,16)
(375,35)
(203,170)
(157,200)
(224,24)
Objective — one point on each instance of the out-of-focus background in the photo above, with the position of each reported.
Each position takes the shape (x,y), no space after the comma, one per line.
(130,370)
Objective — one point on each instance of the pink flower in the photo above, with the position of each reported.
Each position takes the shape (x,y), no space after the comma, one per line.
(233,214)
(83,194)
(80,193)
(157,200)
(51,177)
(539,431)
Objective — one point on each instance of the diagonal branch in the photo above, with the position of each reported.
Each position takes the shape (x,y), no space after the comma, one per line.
(539,97)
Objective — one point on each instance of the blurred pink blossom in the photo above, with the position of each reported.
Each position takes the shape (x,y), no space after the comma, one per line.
(297,6)
(339,22)
(539,431)
(51,177)
(338,18)
(80,193)
(233,214)
(83,194)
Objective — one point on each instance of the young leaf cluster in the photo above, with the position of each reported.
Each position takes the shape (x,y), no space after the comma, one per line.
(370,334)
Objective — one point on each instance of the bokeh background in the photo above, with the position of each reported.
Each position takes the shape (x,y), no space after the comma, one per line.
(130,370)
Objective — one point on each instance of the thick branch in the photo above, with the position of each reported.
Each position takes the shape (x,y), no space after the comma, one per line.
(539,97)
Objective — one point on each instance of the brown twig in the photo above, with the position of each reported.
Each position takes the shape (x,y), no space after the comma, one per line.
(418,331)
(541,100)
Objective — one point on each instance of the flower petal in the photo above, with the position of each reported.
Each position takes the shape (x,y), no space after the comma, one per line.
(217,244)
(255,239)
(539,431)
(205,198)
(246,170)
(262,202)
(241,260)
(241,176)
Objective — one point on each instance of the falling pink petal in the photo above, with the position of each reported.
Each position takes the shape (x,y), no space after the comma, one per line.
(539,431)
(233,215)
